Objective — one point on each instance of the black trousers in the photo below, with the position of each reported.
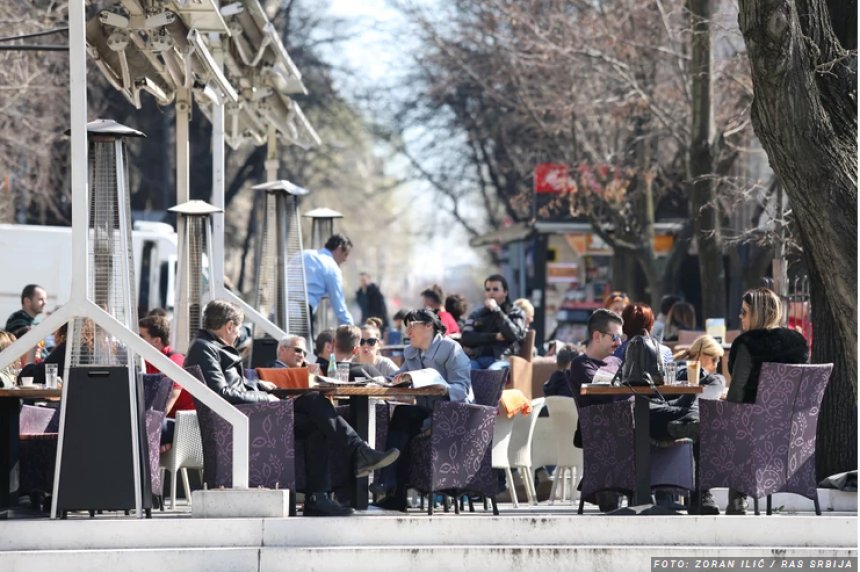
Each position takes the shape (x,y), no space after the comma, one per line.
(661,414)
(323,431)
(405,424)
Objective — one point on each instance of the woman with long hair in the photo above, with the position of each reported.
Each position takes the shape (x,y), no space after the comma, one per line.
(682,316)
(368,351)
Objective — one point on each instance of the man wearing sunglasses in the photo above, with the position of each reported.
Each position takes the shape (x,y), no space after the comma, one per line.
(494,330)
(291,352)
(604,337)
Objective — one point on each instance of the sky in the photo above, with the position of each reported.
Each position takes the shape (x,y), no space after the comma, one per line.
(377,51)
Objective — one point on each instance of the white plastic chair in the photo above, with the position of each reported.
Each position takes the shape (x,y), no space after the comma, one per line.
(544,451)
(501,440)
(520,449)
(564,416)
(186,453)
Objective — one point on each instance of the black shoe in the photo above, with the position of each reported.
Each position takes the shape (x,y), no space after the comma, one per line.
(709,505)
(381,490)
(320,504)
(608,501)
(667,500)
(682,430)
(737,503)
(368,459)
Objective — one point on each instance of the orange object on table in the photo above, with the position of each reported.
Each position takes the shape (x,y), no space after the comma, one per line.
(285,378)
(513,401)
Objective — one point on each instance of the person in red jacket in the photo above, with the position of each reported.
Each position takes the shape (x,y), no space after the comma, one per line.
(433,298)
(155,330)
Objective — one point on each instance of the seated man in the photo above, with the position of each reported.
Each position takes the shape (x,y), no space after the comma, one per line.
(347,340)
(155,330)
(496,329)
(315,418)
(291,352)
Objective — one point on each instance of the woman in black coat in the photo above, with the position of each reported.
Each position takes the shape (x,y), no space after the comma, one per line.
(762,340)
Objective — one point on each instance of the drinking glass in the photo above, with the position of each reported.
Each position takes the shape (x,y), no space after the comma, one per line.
(343,371)
(51,375)
(693,368)
(313,372)
(671,371)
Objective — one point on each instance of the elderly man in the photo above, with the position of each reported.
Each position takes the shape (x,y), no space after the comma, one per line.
(316,420)
(291,352)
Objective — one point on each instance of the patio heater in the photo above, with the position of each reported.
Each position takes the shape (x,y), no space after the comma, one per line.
(322,227)
(280,287)
(102,372)
(193,277)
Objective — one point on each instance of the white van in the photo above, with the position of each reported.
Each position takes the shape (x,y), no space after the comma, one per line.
(32,254)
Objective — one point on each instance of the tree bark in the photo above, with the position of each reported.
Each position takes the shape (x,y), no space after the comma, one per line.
(805,115)
(703,197)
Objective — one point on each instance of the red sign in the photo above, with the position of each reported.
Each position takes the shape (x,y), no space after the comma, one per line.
(551,178)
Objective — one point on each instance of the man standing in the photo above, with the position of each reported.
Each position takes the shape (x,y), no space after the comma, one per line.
(371,301)
(316,421)
(291,352)
(323,275)
(494,330)
(155,330)
(33,300)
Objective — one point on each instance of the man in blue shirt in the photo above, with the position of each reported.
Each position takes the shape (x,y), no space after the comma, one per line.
(323,275)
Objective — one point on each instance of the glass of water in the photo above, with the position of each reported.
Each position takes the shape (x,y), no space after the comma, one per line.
(51,375)
(343,371)
(671,372)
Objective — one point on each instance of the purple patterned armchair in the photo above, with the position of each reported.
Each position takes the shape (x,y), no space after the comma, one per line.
(457,457)
(608,455)
(768,446)
(156,392)
(272,449)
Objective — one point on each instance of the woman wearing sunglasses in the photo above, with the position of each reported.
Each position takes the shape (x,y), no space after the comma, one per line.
(428,349)
(368,351)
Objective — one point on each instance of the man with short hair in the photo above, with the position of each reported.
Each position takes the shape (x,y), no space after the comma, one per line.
(494,330)
(155,330)
(291,352)
(432,298)
(557,383)
(316,420)
(323,276)
(33,300)
(347,340)
(324,347)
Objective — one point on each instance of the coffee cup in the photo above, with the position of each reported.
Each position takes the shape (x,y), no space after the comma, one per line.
(26,381)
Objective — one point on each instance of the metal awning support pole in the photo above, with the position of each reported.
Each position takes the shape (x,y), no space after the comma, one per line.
(216,262)
(183,195)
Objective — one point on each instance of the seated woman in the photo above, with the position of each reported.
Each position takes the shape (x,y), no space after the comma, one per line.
(638,317)
(429,349)
(682,316)
(368,352)
(7,375)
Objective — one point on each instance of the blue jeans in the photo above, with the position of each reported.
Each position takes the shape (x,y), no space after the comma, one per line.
(489,362)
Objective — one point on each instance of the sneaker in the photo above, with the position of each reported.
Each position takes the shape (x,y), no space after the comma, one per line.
(320,504)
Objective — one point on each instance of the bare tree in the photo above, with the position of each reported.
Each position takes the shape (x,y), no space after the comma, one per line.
(805,113)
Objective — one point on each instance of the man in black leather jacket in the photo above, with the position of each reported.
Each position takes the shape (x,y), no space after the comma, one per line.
(494,330)
(316,420)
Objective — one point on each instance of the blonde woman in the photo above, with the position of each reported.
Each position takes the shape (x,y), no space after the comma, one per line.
(707,351)
(368,351)
(7,375)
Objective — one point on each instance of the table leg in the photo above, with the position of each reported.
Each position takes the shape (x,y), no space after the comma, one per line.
(642,420)
(359,419)
(10,410)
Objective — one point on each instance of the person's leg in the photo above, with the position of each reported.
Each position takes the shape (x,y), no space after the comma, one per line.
(501,364)
(317,472)
(405,424)
(320,412)
(475,364)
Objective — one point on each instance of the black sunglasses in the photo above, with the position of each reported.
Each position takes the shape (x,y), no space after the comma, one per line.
(369,341)
(493,289)
(615,337)
(299,350)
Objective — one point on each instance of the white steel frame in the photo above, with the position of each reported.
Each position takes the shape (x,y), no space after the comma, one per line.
(79,306)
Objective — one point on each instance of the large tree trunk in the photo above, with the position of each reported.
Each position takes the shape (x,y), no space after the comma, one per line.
(703,198)
(805,115)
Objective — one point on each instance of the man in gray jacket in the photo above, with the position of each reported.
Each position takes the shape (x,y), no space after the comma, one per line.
(316,420)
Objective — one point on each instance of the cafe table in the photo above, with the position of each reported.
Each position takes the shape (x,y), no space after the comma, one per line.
(641,421)
(10,410)
(359,417)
